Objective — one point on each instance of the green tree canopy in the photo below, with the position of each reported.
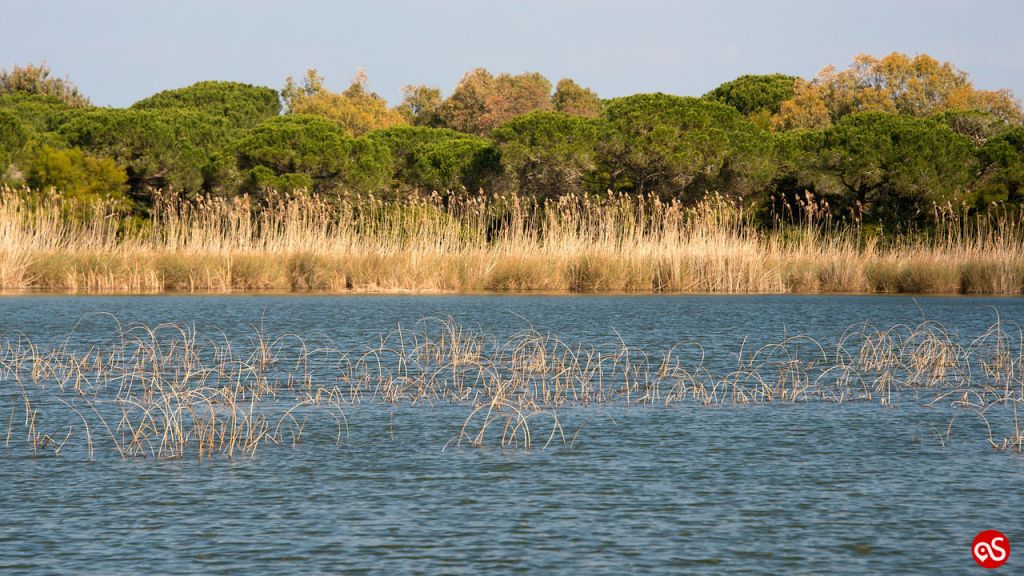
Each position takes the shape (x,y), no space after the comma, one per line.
(465,163)
(159,148)
(889,167)
(977,125)
(753,93)
(242,104)
(13,137)
(310,150)
(548,153)
(1002,174)
(676,145)
(38,113)
(407,144)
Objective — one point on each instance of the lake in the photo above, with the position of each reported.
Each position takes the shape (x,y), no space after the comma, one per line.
(797,487)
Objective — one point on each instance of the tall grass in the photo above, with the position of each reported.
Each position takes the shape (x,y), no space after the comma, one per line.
(479,243)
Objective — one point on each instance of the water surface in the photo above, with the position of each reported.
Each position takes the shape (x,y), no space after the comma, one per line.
(805,488)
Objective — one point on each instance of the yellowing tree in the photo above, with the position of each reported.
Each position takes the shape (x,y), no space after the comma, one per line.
(32,79)
(420,105)
(917,86)
(481,101)
(356,110)
(575,100)
(806,110)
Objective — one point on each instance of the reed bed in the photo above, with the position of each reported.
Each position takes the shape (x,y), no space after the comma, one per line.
(168,392)
(470,243)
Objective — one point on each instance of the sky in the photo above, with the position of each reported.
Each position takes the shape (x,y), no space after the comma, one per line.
(118,52)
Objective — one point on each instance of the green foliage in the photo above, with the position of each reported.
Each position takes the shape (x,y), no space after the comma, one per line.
(465,163)
(1002,174)
(75,174)
(437,158)
(13,137)
(886,166)
(405,144)
(880,141)
(160,148)
(753,93)
(38,113)
(312,152)
(548,153)
(977,125)
(242,104)
(676,145)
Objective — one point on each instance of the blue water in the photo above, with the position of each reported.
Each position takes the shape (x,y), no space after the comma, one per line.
(807,488)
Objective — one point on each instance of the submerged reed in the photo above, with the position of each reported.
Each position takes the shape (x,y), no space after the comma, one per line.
(167,392)
(481,243)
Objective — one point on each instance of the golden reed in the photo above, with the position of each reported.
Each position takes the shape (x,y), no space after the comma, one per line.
(614,243)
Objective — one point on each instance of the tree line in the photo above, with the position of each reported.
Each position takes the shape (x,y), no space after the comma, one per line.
(883,140)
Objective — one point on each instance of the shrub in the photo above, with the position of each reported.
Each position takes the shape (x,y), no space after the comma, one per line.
(75,174)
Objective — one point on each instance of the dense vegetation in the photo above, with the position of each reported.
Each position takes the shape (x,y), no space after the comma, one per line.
(881,142)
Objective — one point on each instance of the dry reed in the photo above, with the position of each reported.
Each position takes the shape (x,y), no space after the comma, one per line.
(167,392)
(478,243)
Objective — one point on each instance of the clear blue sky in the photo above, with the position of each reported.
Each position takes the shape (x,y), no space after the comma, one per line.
(121,51)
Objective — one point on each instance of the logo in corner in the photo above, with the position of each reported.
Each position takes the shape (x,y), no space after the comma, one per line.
(991,549)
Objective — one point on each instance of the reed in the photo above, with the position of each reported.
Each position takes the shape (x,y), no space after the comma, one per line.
(613,243)
(168,392)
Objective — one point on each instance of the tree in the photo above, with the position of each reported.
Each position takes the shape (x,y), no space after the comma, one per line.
(573,99)
(75,174)
(13,137)
(420,105)
(32,79)
(918,86)
(437,158)
(466,163)
(481,102)
(887,167)
(548,153)
(310,151)
(356,110)
(406,144)
(806,110)
(159,148)
(1002,175)
(977,125)
(678,146)
(38,113)
(752,93)
(243,105)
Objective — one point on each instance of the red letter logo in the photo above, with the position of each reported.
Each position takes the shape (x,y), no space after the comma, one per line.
(991,549)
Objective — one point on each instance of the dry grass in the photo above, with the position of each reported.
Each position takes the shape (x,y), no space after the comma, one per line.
(166,392)
(435,244)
